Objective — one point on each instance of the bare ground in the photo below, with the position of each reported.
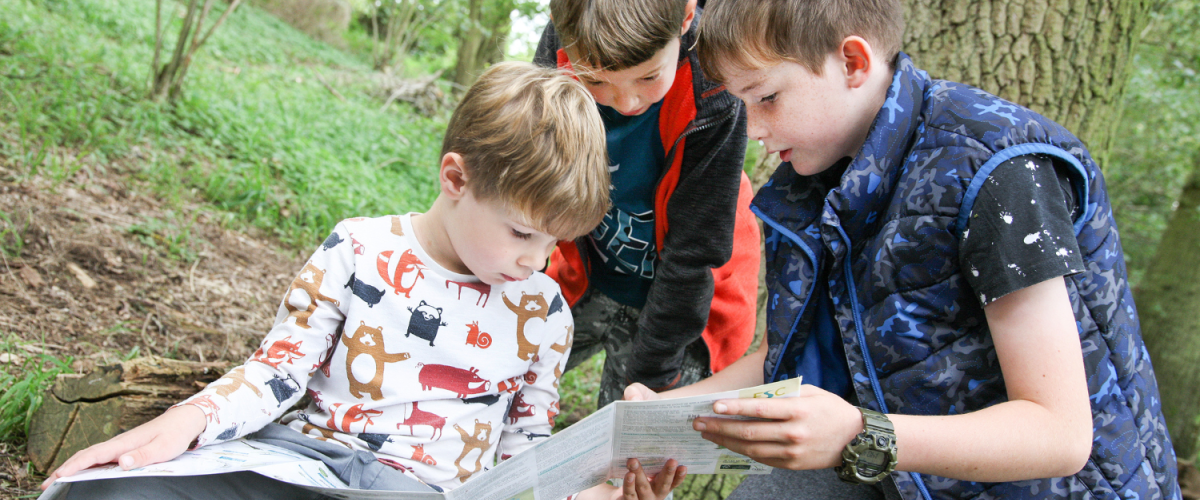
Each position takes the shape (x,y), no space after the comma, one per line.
(95,282)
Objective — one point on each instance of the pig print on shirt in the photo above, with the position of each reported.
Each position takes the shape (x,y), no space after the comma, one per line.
(457,380)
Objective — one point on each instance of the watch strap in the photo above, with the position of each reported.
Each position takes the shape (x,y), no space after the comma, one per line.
(877,443)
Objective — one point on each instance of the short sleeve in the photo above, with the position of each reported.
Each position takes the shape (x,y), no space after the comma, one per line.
(1020,230)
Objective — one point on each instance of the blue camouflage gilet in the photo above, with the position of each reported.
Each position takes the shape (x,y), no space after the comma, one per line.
(914,332)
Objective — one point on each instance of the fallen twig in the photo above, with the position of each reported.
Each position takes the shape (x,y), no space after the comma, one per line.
(192,274)
(327,86)
(81,275)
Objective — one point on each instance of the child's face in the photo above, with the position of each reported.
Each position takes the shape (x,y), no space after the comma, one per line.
(493,245)
(811,121)
(631,91)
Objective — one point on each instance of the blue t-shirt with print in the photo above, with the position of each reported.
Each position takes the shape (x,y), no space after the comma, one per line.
(622,247)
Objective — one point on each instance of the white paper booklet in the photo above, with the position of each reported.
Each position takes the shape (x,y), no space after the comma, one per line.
(584,455)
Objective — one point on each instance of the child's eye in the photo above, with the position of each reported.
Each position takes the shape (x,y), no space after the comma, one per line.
(649,78)
(521,235)
(770,98)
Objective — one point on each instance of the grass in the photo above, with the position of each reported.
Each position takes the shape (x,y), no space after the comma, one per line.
(11,242)
(256,134)
(578,390)
(257,139)
(171,235)
(23,386)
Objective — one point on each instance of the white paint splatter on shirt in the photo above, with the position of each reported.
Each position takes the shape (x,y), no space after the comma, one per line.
(1032,237)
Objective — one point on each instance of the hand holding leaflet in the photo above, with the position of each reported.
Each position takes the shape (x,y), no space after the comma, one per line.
(586,454)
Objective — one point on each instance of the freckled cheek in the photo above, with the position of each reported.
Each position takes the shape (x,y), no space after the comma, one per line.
(602,97)
(658,93)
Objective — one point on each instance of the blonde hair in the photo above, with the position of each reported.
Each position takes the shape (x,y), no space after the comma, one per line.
(755,33)
(611,35)
(532,140)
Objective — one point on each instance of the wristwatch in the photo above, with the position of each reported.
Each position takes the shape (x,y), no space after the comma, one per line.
(871,455)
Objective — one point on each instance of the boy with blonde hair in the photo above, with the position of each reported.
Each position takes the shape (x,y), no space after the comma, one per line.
(430,343)
(943,258)
(667,283)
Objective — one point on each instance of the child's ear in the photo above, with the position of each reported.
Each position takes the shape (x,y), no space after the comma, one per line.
(689,14)
(453,175)
(857,58)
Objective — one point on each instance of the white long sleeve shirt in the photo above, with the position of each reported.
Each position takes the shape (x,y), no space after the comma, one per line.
(431,369)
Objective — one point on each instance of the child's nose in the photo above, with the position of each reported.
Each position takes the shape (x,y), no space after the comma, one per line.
(534,259)
(755,130)
(625,102)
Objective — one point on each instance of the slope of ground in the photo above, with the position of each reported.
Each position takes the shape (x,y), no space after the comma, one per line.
(129,227)
(97,277)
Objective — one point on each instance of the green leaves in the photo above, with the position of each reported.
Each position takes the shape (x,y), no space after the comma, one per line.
(1156,141)
(21,395)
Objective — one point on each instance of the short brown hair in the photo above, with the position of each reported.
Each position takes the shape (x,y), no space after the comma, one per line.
(532,139)
(612,35)
(754,33)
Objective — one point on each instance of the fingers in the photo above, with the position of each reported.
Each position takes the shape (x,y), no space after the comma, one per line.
(749,430)
(680,475)
(639,487)
(758,450)
(669,478)
(638,392)
(160,449)
(95,455)
(159,440)
(765,408)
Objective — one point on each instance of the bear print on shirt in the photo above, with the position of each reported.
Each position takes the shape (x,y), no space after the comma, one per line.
(531,306)
(368,341)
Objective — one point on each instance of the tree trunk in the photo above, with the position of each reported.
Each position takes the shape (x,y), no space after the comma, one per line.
(82,410)
(498,21)
(465,71)
(482,43)
(1168,299)
(168,79)
(1066,59)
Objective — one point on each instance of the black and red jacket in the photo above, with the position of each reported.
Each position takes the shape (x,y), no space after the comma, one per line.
(707,238)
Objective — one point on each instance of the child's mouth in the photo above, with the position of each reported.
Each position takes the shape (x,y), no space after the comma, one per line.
(785,155)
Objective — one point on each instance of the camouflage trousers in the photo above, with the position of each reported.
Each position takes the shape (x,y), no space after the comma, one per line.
(604,324)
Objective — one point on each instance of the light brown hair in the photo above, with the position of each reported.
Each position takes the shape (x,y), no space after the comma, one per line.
(754,33)
(611,35)
(532,140)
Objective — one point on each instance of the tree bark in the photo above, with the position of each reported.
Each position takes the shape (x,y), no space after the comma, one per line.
(465,71)
(1168,299)
(482,42)
(1066,59)
(82,410)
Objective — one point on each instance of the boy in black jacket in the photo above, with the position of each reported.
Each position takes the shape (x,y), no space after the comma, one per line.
(667,283)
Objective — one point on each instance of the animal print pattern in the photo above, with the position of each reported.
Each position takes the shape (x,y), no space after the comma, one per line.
(394,353)
(917,340)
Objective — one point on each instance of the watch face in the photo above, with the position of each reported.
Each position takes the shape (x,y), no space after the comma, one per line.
(871,462)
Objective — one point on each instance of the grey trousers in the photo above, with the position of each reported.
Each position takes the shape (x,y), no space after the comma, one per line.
(810,485)
(358,469)
(604,324)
